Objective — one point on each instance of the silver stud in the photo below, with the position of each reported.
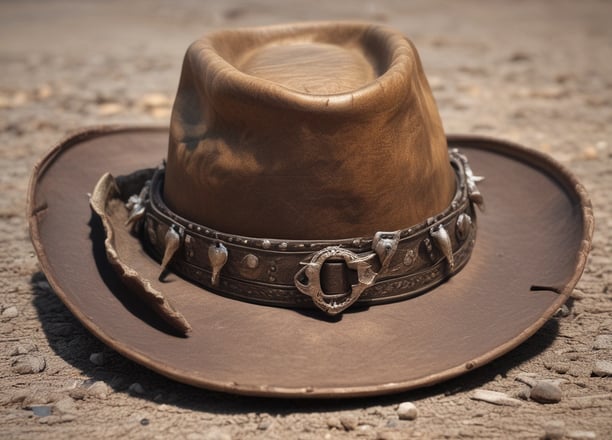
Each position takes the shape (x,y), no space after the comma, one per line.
(251,261)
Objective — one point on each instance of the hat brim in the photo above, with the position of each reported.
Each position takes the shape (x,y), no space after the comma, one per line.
(531,249)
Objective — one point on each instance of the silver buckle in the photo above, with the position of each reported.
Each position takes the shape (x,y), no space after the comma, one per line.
(308,279)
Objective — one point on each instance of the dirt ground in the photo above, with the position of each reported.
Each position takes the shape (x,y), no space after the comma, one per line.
(536,72)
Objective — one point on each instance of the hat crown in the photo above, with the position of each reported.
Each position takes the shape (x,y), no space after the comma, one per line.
(316,131)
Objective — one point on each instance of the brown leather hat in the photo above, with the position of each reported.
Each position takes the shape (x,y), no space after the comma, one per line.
(312,231)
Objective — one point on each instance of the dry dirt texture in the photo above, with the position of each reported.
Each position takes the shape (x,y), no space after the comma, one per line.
(536,72)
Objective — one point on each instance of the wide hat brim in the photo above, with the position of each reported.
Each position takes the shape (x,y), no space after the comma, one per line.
(531,248)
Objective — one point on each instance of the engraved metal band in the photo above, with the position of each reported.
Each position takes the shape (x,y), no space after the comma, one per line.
(332,275)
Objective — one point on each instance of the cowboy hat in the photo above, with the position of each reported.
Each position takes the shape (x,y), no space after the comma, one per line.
(312,231)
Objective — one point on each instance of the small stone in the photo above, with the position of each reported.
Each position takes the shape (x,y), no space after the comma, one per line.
(560,367)
(264,425)
(99,389)
(334,422)
(28,364)
(44,91)
(495,398)
(78,393)
(136,388)
(154,100)
(581,435)
(160,113)
(602,369)
(24,348)
(65,406)
(110,108)
(144,422)
(545,392)
(41,410)
(519,57)
(603,342)
(407,411)
(590,153)
(349,422)
(554,430)
(524,393)
(562,312)
(10,312)
(97,358)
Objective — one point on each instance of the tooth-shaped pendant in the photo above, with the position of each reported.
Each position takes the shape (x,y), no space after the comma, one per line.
(443,242)
(473,191)
(172,241)
(217,254)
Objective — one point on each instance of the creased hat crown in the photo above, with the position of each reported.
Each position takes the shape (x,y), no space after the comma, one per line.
(314,131)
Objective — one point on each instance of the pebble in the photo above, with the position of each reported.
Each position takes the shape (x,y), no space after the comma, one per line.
(554,430)
(545,392)
(557,367)
(407,411)
(28,364)
(349,422)
(97,358)
(264,425)
(590,153)
(136,388)
(41,410)
(495,398)
(110,108)
(602,369)
(160,112)
(154,100)
(524,393)
(65,406)
(562,312)
(10,312)
(603,342)
(24,348)
(99,389)
(581,435)
(334,422)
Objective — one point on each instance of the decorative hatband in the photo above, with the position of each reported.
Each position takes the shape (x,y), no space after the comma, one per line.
(332,275)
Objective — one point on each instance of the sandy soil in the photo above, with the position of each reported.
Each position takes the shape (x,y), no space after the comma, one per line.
(536,72)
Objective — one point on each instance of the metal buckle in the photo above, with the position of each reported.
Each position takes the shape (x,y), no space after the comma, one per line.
(311,273)
(308,279)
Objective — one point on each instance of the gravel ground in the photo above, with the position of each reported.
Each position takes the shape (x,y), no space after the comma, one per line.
(536,72)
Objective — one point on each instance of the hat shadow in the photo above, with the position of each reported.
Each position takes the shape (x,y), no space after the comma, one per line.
(72,342)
